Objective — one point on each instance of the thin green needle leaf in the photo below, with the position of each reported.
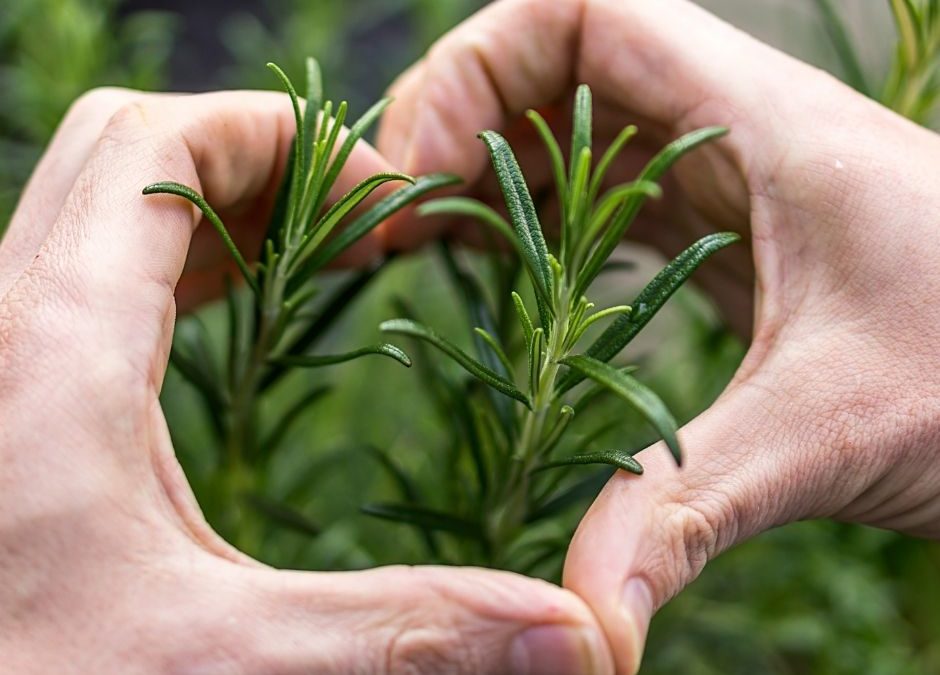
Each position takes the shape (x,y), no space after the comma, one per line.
(524,320)
(565,415)
(348,202)
(495,346)
(286,421)
(522,214)
(554,155)
(465,206)
(425,519)
(651,299)
(301,141)
(908,22)
(572,228)
(581,129)
(618,458)
(467,362)
(171,188)
(388,350)
(638,395)
(358,129)
(611,154)
(594,318)
(583,490)
(314,194)
(613,199)
(535,359)
(842,44)
(368,221)
(314,97)
(655,170)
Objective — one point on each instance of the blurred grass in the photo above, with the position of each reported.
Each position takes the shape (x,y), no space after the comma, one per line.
(814,598)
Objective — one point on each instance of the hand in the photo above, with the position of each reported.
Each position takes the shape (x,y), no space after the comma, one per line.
(106,564)
(834,412)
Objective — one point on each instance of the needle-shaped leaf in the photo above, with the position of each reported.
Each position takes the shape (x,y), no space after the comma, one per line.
(172,188)
(464,360)
(425,519)
(581,129)
(618,458)
(524,320)
(611,154)
(496,348)
(472,208)
(301,142)
(356,132)
(584,489)
(314,97)
(638,395)
(313,361)
(554,154)
(522,214)
(655,170)
(369,220)
(909,29)
(536,355)
(348,202)
(651,299)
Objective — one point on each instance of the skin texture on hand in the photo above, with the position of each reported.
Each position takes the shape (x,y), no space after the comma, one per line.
(106,565)
(835,411)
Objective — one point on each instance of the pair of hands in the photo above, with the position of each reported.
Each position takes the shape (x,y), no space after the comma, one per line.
(106,564)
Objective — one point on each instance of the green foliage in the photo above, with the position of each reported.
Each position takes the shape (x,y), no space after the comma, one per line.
(514,422)
(270,331)
(913,85)
(52,51)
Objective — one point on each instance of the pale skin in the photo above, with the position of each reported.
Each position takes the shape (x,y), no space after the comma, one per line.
(105,562)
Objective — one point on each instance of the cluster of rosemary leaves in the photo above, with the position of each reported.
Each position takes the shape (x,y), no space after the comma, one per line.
(511,418)
(274,326)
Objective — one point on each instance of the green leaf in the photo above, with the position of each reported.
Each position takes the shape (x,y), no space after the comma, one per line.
(611,154)
(580,130)
(369,220)
(522,214)
(283,515)
(356,132)
(314,97)
(655,170)
(842,44)
(909,30)
(465,206)
(468,363)
(554,155)
(388,350)
(535,359)
(347,203)
(425,519)
(584,489)
(524,320)
(618,458)
(293,201)
(638,395)
(651,299)
(172,188)
(496,348)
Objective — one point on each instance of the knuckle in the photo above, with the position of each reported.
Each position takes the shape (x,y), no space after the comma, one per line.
(99,104)
(430,650)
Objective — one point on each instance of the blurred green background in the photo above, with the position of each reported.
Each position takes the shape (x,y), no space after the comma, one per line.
(815,598)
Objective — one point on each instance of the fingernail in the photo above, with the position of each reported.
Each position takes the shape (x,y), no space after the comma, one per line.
(637,601)
(555,650)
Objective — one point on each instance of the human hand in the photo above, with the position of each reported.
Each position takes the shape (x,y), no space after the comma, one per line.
(106,564)
(834,412)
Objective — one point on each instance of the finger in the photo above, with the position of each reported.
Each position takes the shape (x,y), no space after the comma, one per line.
(765,454)
(412,620)
(508,57)
(50,183)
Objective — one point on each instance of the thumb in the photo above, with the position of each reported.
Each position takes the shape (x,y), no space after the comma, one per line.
(759,458)
(414,620)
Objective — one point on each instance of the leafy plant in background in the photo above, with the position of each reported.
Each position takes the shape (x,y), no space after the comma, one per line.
(273,326)
(516,438)
(913,85)
(51,51)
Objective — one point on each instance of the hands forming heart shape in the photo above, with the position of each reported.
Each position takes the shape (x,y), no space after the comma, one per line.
(106,564)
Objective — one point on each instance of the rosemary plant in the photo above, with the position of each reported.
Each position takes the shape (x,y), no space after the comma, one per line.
(913,84)
(273,326)
(515,433)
